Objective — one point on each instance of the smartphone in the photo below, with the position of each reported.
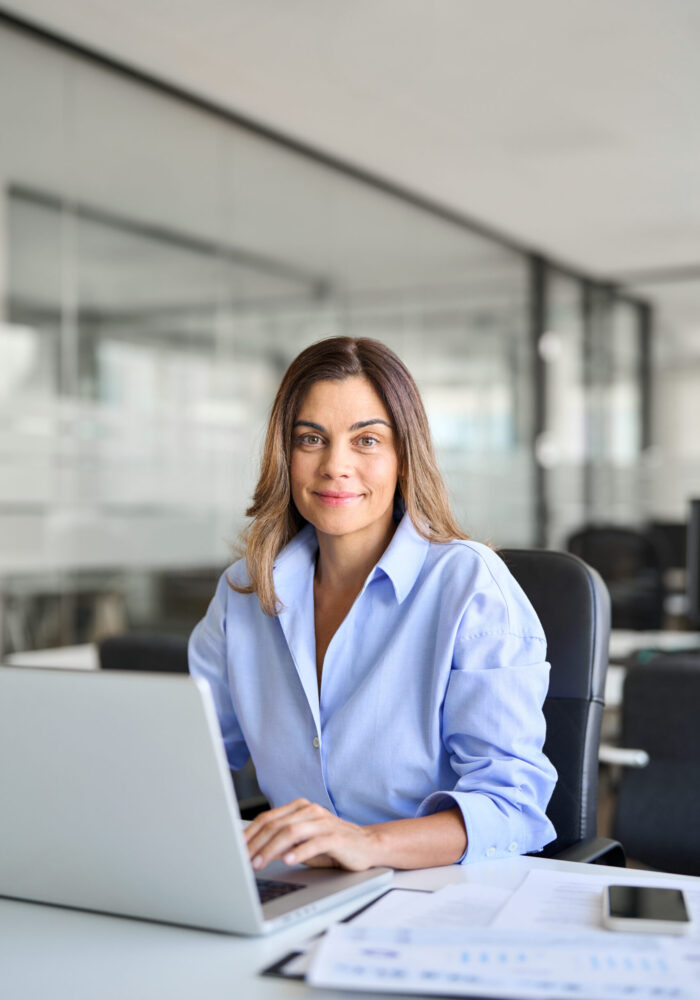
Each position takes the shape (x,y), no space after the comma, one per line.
(645,910)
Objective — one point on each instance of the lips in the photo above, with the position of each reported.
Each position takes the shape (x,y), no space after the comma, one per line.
(334,498)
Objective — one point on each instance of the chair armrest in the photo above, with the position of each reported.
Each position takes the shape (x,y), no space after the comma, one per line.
(624,756)
(594,850)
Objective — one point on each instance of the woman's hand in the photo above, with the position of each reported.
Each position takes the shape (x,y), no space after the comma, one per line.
(302,832)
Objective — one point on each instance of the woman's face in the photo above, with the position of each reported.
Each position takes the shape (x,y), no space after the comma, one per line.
(344,466)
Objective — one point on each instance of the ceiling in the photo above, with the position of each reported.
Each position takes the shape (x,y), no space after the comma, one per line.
(571,128)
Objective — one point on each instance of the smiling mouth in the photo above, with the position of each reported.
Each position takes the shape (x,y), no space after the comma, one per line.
(333,499)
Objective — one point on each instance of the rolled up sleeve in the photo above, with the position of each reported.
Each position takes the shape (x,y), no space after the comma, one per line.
(493,729)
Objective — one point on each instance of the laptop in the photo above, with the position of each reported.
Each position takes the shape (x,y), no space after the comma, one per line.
(116,796)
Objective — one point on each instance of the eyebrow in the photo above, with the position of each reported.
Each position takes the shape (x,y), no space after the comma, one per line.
(355,427)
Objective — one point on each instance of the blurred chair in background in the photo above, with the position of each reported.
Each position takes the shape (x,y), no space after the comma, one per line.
(133,651)
(658,806)
(632,568)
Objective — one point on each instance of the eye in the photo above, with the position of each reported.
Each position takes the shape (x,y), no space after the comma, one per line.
(310,440)
(368,441)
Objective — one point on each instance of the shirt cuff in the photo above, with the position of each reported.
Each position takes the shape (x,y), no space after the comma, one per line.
(491,832)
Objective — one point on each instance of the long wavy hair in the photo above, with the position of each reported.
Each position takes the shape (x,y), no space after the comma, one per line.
(420,489)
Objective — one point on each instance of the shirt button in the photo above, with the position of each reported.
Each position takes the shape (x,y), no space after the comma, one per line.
(491,851)
(513,847)
(316,742)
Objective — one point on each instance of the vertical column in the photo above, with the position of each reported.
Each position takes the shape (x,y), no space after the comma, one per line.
(588,310)
(4,252)
(646,326)
(538,315)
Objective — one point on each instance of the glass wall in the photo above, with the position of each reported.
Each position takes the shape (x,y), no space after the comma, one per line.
(160,266)
(562,448)
(616,414)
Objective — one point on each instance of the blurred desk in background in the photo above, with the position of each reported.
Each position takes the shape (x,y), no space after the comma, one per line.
(83,657)
(625,642)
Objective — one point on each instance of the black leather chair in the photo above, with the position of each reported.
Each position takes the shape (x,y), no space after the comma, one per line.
(632,567)
(573,605)
(134,651)
(658,806)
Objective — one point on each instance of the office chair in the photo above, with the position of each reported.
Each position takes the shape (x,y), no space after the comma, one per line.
(573,606)
(657,813)
(134,651)
(631,566)
(168,654)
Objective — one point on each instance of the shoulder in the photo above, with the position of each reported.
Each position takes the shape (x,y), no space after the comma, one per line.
(467,559)
(491,599)
(236,573)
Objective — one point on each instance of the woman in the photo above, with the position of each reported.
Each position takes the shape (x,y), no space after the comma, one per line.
(385,673)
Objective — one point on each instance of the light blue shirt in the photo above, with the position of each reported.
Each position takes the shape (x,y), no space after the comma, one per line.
(431,694)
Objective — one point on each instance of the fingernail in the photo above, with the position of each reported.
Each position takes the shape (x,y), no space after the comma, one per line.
(257,862)
(289,859)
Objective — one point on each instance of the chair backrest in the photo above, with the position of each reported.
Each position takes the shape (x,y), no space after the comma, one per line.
(573,606)
(658,806)
(134,651)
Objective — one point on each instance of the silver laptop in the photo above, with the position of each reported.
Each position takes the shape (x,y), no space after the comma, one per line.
(116,796)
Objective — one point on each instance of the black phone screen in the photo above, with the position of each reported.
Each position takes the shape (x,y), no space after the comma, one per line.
(634,902)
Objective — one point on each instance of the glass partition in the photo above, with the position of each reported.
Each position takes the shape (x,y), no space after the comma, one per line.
(160,265)
(616,446)
(563,445)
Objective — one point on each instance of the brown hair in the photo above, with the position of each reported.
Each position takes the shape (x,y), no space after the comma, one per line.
(276,519)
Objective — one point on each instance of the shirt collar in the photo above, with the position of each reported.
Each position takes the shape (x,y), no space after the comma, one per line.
(404,558)
(296,557)
(401,562)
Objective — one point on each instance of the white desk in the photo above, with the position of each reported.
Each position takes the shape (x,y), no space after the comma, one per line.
(83,657)
(50,953)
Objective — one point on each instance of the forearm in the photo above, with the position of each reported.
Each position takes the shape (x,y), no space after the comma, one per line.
(424,842)
(303,832)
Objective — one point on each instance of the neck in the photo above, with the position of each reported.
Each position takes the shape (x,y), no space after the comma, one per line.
(344,562)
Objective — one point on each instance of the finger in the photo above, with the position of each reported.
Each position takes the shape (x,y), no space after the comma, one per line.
(285,839)
(306,811)
(269,816)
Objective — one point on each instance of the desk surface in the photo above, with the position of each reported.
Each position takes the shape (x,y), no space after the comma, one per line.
(50,952)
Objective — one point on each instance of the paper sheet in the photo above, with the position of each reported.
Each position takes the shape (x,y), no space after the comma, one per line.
(463,905)
(383,911)
(548,900)
(455,905)
(516,964)
(545,941)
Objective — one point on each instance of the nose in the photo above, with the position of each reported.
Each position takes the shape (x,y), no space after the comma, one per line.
(336,461)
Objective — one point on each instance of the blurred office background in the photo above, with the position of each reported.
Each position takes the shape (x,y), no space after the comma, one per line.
(506,194)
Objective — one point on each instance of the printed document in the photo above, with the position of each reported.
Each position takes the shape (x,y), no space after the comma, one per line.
(544,941)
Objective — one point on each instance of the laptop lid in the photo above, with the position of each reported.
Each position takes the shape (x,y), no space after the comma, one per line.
(117,797)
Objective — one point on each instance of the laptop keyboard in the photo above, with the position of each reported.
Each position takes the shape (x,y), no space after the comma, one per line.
(269,888)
